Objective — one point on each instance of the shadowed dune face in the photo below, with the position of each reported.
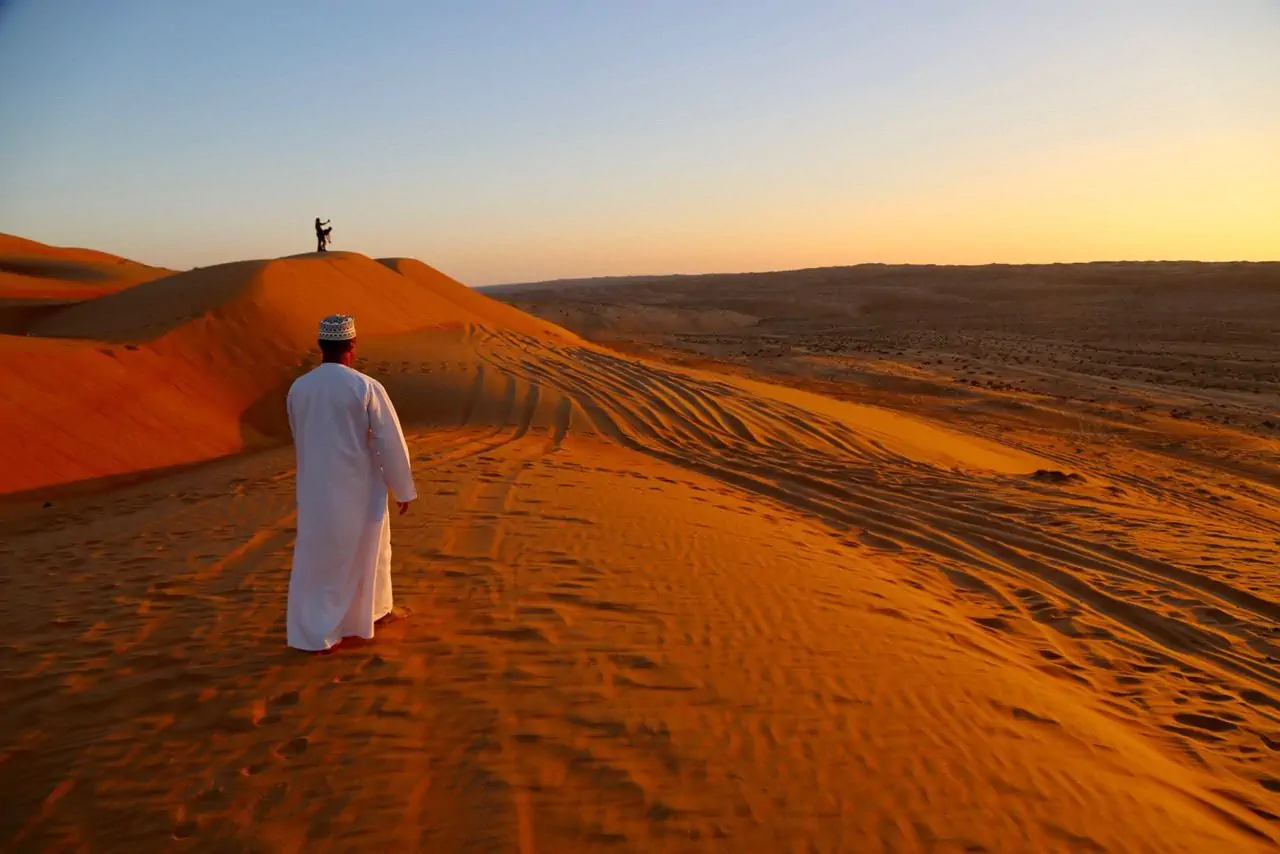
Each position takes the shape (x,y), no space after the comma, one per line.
(655,606)
(194,365)
(41,268)
(35,271)
(37,281)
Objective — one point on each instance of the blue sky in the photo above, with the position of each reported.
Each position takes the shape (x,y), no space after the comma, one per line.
(519,141)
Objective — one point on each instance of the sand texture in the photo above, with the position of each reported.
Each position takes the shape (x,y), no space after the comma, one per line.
(37,280)
(689,597)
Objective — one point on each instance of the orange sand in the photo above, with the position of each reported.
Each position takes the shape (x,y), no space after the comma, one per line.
(652,607)
(36,271)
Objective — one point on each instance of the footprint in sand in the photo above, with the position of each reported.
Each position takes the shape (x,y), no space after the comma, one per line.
(996,623)
(289,698)
(1205,722)
(877,542)
(295,747)
(1257,698)
(520,633)
(1024,715)
(270,800)
(185,830)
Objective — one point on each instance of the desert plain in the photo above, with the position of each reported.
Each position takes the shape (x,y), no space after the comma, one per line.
(972,559)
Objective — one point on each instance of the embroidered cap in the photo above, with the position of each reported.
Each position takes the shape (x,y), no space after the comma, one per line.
(338,327)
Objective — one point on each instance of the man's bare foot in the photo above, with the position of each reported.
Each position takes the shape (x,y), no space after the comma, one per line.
(399,612)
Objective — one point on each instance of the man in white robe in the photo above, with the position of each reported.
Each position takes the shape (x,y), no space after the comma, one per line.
(350,451)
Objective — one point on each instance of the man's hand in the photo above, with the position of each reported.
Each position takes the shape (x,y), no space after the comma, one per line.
(403,507)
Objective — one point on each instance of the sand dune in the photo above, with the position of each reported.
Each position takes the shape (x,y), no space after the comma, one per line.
(653,606)
(37,279)
(31,270)
(193,365)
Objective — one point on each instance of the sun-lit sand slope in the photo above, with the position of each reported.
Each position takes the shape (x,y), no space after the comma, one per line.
(652,608)
(37,279)
(193,365)
(37,271)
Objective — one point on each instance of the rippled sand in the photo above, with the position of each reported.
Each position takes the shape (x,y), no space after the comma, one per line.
(643,605)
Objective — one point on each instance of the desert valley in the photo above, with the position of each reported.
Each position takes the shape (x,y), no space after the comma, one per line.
(860,559)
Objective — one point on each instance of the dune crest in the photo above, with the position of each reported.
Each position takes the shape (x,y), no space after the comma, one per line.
(37,280)
(197,362)
(36,271)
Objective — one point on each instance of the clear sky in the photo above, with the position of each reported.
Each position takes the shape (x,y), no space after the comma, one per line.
(528,140)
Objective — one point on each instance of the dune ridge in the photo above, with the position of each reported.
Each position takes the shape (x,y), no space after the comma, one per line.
(37,280)
(33,270)
(195,361)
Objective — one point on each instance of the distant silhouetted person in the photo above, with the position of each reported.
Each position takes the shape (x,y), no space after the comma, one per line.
(322,234)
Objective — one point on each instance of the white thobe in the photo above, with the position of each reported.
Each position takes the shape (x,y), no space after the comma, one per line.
(350,450)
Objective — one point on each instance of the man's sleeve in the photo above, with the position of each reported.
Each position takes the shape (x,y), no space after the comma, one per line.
(389,444)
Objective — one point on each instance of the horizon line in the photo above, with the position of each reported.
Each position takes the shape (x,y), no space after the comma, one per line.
(923,264)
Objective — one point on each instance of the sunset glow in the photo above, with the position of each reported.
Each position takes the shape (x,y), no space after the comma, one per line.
(507,144)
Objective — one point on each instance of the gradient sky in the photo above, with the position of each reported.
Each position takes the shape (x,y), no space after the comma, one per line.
(521,141)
